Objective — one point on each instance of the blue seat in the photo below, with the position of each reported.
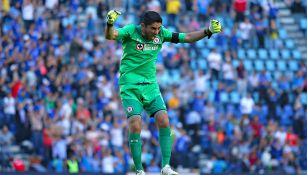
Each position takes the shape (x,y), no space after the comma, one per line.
(263,54)
(214,84)
(282,33)
(285,54)
(205,52)
(281,65)
(270,65)
(211,96)
(304,98)
(202,64)
(296,54)
(227,31)
(193,64)
(274,84)
(291,98)
(289,44)
(251,54)
(274,54)
(303,24)
(259,65)
(286,115)
(248,65)
(235,97)
(241,54)
(230,108)
(211,43)
(255,97)
(224,97)
(235,63)
(293,65)
(277,74)
(200,44)
(265,110)
(229,22)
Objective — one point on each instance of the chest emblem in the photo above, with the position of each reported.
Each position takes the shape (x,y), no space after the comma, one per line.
(156,40)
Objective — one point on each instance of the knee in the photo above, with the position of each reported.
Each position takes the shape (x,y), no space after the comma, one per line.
(135,124)
(162,119)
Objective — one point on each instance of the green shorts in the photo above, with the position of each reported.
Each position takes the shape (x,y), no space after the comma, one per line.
(135,98)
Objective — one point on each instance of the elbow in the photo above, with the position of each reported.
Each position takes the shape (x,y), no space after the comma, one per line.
(108,37)
(188,39)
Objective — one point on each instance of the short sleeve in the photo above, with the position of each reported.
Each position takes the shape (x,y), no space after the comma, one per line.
(125,31)
(167,34)
(172,36)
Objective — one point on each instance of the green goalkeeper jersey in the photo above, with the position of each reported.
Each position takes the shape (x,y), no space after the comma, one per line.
(138,64)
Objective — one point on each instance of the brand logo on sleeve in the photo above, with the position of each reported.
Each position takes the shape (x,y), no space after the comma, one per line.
(139,46)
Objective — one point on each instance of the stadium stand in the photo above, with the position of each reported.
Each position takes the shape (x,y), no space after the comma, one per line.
(59,100)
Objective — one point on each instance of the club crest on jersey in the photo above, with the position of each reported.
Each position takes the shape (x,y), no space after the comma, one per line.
(156,40)
(139,46)
(129,109)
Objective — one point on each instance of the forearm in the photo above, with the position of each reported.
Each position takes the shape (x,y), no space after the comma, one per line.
(109,32)
(197,35)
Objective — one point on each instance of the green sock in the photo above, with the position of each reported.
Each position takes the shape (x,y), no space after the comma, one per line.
(165,141)
(135,144)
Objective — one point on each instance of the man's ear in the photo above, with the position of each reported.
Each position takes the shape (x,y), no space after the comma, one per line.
(142,25)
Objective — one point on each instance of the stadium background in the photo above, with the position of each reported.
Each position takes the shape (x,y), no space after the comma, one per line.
(237,102)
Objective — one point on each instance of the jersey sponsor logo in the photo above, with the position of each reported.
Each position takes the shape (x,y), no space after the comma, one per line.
(144,47)
(156,40)
(139,46)
(151,47)
(129,109)
(134,141)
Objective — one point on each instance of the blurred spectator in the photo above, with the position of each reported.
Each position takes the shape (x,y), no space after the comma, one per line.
(240,7)
(201,8)
(241,79)
(6,137)
(72,165)
(172,9)
(297,7)
(246,30)
(28,13)
(260,31)
(154,5)
(9,110)
(229,74)
(215,63)
(247,104)
(59,80)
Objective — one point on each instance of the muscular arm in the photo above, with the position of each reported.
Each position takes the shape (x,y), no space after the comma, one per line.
(197,35)
(111,33)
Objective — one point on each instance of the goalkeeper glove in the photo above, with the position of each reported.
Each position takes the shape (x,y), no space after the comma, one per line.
(215,27)
(112,16)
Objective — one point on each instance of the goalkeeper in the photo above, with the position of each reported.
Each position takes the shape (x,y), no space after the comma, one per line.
(138,85)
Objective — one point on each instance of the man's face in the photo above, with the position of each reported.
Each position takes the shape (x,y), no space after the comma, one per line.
(150,31)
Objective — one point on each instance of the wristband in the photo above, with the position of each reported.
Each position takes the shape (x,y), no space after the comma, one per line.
(208,33)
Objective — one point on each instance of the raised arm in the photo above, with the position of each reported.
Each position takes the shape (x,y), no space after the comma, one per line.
(111,33)
(215,27)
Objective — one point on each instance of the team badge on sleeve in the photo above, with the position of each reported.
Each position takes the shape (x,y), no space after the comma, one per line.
(129,109)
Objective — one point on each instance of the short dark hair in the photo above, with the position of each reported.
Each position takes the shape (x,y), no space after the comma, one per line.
(150,17)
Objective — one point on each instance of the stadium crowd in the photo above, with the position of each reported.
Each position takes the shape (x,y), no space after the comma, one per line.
(59,100)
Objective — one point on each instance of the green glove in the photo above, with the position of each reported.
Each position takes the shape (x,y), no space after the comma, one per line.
(112,16)
(215,26)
